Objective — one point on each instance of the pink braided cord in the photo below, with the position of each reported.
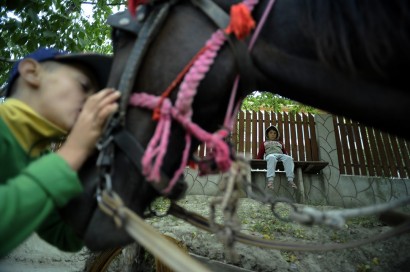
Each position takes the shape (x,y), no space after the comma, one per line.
(182,113)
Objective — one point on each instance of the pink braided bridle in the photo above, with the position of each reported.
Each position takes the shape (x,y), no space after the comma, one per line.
(182,113)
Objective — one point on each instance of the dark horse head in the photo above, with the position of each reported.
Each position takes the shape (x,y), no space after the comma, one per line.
(348,57)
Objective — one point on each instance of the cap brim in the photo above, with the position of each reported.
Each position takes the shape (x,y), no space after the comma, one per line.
(99,64)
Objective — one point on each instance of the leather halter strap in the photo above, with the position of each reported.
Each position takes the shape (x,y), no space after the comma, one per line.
(144,34)
(115,132)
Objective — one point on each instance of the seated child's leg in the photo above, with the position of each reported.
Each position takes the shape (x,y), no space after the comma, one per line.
(271,166)
(289,166)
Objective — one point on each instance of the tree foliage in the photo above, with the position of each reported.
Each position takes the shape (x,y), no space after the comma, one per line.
(63,24)
(272,102)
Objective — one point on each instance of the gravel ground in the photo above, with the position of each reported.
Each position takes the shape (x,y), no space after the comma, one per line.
(256,219)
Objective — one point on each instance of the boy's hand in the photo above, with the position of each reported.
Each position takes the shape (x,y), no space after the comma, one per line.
(88,127)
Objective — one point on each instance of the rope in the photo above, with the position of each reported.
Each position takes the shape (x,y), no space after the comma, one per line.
(203,223)
(337,218)
(156,114)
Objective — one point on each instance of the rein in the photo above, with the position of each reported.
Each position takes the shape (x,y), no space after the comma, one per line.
(115,129)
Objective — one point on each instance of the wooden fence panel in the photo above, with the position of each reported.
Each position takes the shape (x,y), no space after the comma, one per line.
(247,135)
(234,136)
(375,151)
(345,147)
(361,150)
(398,157)
(275,119)
(391,164)
(285,129)
(352,147)
(241,136)
(372,152)
(254,134)
(306,137)
(293,137)
(342,167)
(405,152)
(368,162)
(301,151)
(267,120)
(201,151)
(261,130)
(382,154)
(314,148)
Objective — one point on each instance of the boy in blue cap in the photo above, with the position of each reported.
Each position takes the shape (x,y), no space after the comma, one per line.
(274,150)
(50,94)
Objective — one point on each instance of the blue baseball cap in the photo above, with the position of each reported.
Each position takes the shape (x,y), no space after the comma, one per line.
(100,65)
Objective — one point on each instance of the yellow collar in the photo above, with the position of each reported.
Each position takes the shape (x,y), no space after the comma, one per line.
(31,130)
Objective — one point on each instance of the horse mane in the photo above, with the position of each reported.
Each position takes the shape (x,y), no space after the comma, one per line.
(357,35)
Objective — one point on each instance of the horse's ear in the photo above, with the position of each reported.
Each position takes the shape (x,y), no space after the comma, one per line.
(119,22)
(124,21)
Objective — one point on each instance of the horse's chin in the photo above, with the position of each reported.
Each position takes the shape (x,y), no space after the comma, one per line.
(179,190)
(79,211)
(91,224)
(102,233)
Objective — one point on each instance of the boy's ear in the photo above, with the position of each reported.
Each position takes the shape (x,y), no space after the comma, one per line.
(29,70)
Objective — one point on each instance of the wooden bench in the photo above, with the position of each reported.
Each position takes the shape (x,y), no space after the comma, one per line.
(308,167)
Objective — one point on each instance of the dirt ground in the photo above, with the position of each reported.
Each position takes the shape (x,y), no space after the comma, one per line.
(256,219)
(392,255)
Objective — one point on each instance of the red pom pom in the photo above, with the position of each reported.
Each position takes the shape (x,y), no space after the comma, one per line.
(241,22)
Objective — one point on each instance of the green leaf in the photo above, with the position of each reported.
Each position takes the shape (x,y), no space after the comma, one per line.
(33,16)
(49,34)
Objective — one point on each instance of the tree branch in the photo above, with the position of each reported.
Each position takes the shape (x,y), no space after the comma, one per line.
(7,60)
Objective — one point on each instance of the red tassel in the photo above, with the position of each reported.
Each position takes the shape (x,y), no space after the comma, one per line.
(132,7)
(133,4)
(241,22)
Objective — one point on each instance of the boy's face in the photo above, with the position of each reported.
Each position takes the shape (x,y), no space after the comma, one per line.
(63,91)
(272,134)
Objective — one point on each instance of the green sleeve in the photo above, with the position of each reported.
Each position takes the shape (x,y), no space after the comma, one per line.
(28,202)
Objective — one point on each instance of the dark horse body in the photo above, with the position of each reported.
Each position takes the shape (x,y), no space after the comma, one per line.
(348,57)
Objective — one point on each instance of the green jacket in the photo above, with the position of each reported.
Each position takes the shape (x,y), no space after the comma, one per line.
(32,185)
